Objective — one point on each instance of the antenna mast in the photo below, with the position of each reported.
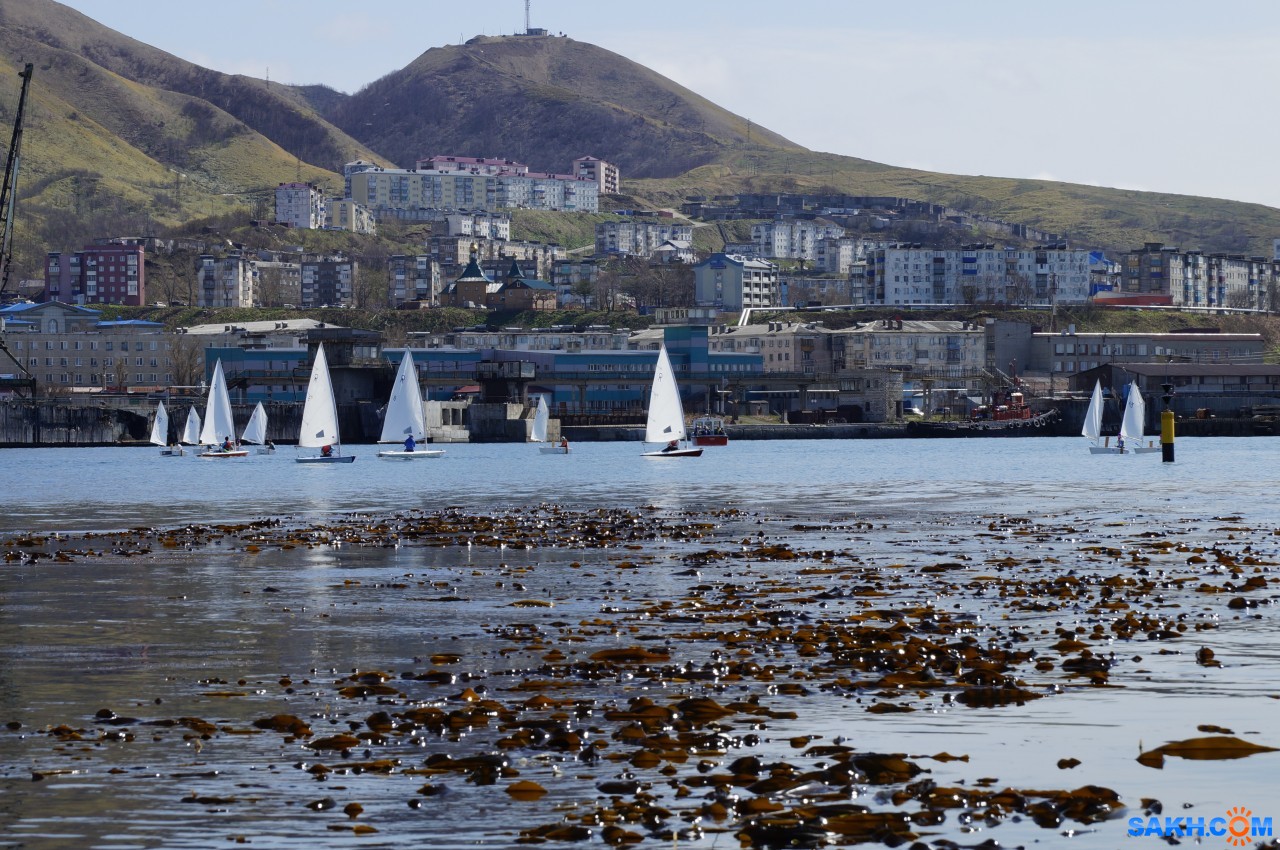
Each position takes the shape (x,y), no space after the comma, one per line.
(526,17)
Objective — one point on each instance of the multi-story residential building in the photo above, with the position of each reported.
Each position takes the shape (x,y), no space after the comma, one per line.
(836,256)
(565,338)
(732,283)
(605,174)
(300,205)
(452,252)
(67,348)
(415,278)
(111,272)
(794,239)
(279,282)
(479,225)
(328,283)
(342,214)
(486,188)
(226,281)
(638,237)
(977,274)
(815,291)
(1159,274)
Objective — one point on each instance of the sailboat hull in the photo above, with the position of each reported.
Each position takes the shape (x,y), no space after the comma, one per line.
(675,453)
(232,453)
(172,453)
(553,450)
(334,459)
(1105,450)
(416,454)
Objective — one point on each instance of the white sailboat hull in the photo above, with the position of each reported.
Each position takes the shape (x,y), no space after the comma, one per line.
(416,454)
(221,454)
(322,459)
(1105,450)
(553,450)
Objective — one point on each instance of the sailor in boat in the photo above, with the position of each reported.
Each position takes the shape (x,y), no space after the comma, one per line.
(271,447)
(564,443)
(226,444)
(672,446)
(326,451)
(409,443)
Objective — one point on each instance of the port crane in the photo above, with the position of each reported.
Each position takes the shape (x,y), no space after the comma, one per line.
(8,203)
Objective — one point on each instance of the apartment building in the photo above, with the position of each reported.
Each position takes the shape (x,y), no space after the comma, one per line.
(111,272)
(485,188)
(328,282)
(1159,274)
(415,278)
(639,237)
(604,174)
(732,283)
(977,274)
(230,280)
(479,225)
(792,239)
(300,205)
(342,214)
(452,252)
(1072,352)
(68,348)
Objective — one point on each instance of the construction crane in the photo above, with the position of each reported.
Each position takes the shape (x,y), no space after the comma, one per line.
(9,192)
(8,201)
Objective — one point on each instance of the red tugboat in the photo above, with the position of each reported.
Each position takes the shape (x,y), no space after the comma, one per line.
(1006,406)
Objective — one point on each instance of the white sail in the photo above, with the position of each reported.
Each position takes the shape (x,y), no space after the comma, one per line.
(1093,417)
(541,419)
(320,411)
(256,431)
(1135,417)
(404,409)
(666,414)
(218,421)
(191,433)
(160,427)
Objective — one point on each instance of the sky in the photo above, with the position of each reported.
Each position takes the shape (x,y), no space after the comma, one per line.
(1170,96)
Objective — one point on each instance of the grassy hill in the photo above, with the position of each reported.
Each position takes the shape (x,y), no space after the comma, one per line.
(122,138)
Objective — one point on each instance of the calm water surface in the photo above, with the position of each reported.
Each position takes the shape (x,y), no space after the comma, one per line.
(160,633)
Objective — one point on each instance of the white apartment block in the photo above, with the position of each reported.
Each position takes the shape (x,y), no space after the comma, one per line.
(300,205)
(413,278)
(732,283)
(381,188)
(342,214)
(227,281)
(979,274)
(639,238)
(480,225)
(792,239)
(1167,275)
(604,174)
(836,255)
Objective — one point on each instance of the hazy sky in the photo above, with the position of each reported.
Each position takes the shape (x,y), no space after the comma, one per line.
(1173,96)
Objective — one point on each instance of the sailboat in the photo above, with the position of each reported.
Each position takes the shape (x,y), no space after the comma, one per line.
(319,428)
(219,424)
(403,420)
(1131,426)
(1093,425)
(666,414)
(160,433)
(191,432)
(256,431)
(541,420)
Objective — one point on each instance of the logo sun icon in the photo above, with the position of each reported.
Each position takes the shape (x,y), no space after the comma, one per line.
(1238,827)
